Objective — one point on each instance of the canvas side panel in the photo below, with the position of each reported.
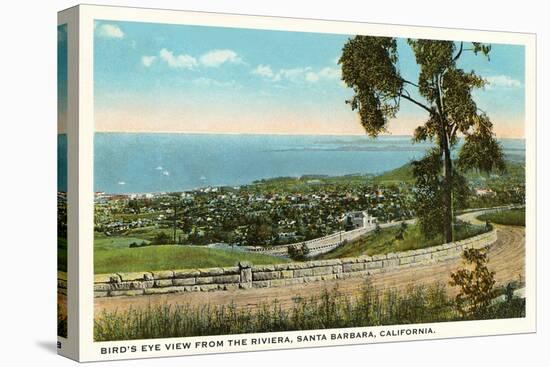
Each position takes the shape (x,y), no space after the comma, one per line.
(62,180)
(67,185)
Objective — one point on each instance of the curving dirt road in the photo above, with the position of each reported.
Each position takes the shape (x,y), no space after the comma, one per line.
(506,259)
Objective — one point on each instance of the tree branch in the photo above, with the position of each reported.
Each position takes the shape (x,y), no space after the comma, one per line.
(480,122)
(454,129)
(409,82)
(469,49)
(440,93)
(459,51)
(483,111)
(409,98)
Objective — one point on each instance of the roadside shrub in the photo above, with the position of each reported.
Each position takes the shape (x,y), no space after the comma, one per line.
(476,284)
(141,244)
(400,235)
(161,238)
(298,252)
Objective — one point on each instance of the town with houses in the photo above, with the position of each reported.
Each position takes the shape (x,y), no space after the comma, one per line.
(246,217)
(265,213)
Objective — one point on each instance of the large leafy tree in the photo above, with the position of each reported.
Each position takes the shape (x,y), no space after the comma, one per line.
(370,66)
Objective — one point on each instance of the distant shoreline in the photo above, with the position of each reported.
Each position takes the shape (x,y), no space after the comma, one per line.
(254,182)
(308,177)
(133,163)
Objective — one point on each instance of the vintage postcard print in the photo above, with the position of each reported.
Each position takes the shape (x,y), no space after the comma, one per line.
(250,183)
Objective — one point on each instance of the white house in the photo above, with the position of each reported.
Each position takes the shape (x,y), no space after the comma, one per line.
(358,219)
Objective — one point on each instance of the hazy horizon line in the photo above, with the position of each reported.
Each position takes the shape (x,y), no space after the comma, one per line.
(268,133)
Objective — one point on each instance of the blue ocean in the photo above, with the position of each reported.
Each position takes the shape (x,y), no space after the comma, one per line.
(157,162)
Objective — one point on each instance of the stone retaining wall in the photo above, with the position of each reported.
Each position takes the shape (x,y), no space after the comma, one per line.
(245,275)
(327,243)
(316,246)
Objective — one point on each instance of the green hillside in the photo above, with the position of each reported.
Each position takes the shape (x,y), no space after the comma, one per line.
(165,257)
(404,173)
(400,174)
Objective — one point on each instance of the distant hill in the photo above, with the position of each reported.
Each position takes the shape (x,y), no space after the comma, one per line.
(515,172)
(405,174)
(400,174)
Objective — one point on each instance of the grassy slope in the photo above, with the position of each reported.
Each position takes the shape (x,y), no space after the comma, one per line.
(514,217)
(137,235)
(148,233)
(168,257)
(112,254)
(385,242)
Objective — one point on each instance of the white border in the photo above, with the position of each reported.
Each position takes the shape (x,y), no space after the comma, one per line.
(88,350)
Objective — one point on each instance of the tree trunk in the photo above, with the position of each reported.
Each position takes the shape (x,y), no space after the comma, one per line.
(447,167)
(447,194)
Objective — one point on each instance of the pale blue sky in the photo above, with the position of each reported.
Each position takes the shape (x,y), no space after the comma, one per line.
(150,77)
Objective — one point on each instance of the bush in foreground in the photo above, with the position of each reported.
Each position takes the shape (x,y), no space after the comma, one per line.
(476,283)
(331,309)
